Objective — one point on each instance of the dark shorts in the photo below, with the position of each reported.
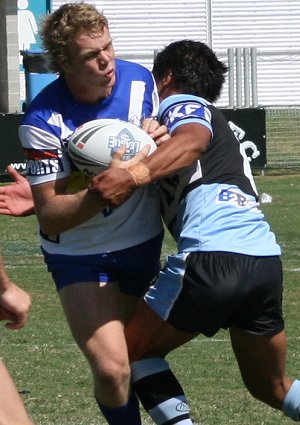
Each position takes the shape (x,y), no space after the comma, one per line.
(206,291)
(133,268)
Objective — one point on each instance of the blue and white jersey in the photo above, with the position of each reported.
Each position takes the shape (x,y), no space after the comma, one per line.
(47,125)
(213,204)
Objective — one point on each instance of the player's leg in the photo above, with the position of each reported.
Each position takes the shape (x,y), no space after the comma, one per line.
(261,351)
(96,316)
(12,410)
(155,384)
(180,298)
(262,361)
(97,309)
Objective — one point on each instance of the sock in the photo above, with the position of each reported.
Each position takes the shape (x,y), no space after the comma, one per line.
(159,392)
(129,414)
(291,402)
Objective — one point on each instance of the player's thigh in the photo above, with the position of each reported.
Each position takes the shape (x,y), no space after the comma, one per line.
(149,335)
(96,317)
(261,360)
(128,305)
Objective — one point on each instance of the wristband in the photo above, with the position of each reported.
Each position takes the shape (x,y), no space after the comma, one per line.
(140,173)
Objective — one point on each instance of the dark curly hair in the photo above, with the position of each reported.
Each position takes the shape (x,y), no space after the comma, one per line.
(195,68)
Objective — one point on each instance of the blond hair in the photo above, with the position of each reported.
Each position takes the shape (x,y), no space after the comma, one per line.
(59,29)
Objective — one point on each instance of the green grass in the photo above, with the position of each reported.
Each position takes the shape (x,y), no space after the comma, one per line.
(53,377)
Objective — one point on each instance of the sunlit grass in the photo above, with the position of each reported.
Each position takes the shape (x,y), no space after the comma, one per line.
(52,374)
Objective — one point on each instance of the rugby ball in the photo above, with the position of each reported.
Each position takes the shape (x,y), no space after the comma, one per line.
(93,144)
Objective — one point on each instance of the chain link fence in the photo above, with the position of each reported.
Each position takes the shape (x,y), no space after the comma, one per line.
(283,137)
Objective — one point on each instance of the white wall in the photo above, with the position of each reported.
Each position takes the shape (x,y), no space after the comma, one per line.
(139,27)
(272,26)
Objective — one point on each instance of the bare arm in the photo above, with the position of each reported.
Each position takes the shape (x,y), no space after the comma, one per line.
(14,302)
(14,307)
(58,211)
(186,145)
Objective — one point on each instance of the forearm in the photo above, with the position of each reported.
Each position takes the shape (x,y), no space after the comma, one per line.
(4,279)
(167,160)
(65,211)
(182,150)
(187,144)
(185,147)
(14,302)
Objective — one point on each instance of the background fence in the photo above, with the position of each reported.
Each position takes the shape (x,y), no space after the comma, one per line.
(283,137)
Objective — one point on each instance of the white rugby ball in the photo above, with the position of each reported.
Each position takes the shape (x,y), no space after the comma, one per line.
(93,144)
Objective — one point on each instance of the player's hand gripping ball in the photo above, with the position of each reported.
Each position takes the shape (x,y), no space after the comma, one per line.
(93,144)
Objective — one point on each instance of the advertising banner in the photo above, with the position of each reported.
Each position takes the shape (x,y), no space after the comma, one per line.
(249,127)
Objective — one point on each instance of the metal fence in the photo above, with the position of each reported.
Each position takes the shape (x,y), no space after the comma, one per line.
(283,137)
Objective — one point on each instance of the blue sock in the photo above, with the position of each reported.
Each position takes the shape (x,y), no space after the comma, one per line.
(291,403)
(129,414)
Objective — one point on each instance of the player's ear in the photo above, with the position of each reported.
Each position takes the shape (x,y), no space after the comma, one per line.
(164,82)
(167,79)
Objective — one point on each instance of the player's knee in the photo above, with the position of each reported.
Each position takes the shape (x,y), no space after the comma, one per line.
(109,368)
(112,372)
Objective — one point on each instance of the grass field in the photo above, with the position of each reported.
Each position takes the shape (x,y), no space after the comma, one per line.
(53,377)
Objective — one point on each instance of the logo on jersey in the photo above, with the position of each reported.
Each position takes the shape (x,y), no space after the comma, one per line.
(233,196)
(43,162)
(124,138)
(187,110)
